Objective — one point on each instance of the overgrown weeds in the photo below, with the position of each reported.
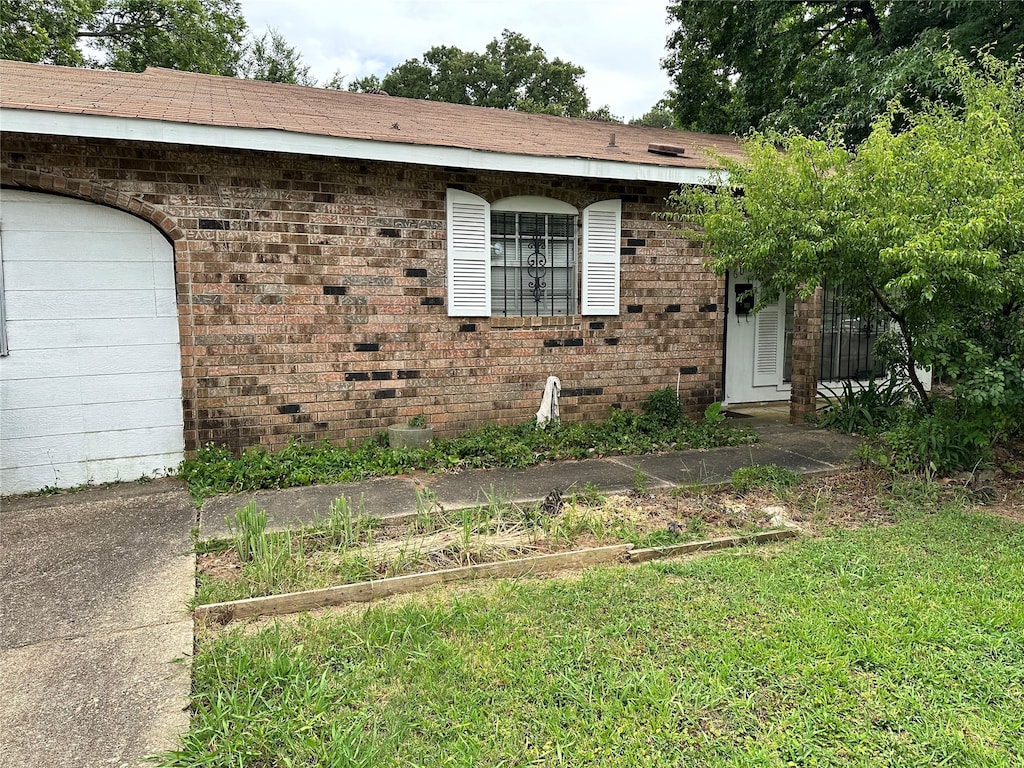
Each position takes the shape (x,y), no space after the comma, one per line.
(770,476)
(659,426)
(865,409)
(939,437)
(346,547)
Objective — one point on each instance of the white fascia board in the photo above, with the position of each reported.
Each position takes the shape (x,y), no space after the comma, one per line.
(273,140)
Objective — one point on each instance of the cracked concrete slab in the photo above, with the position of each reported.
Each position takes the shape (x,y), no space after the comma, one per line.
(95,700)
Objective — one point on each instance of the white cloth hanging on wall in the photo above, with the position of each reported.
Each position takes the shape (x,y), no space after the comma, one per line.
(549,403)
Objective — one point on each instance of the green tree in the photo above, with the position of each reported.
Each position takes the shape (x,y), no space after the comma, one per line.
(511,73)
(658,116)
(807,64)
(368,84)
(272,58)
(44,30)
(603,114)
(192,35)
(927,222)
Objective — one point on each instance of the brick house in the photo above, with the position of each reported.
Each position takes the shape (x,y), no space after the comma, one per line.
(189,258)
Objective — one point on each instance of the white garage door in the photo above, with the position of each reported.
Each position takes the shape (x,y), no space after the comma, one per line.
(90,385)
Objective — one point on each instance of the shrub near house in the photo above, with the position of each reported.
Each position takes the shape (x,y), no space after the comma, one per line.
(926,224)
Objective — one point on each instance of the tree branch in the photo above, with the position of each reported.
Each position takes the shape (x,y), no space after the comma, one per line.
(865,10)
(901,322)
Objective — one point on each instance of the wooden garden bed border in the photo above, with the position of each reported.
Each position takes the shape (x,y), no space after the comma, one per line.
(368,591)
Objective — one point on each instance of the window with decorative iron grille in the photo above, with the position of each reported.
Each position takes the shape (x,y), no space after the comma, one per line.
(847,339)
(533,264)
(540,260)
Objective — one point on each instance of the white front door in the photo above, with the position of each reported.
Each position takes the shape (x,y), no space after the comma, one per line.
(90,387)
(756,346)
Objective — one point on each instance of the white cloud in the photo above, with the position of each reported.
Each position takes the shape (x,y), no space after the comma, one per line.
(620,44)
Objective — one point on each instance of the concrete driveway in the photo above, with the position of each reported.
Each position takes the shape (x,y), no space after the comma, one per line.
(94,636)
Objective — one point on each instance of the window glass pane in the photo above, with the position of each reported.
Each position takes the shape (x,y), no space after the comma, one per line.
(533,264)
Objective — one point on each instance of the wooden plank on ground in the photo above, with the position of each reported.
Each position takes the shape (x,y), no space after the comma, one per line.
(277,605)
(655,553)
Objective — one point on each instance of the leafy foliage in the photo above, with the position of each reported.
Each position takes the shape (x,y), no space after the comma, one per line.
(272,58)
(511,73)
(808,64)
(214,469)
(662,408)
(249,529)
(190,35)
(864,409)
(658,116)
(770,476)
(953,436)
(927,222)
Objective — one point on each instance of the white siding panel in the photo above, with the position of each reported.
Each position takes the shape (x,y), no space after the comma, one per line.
(70,474)
(43,305)
(71,334)
(68,390)
(163,277)
(166,303)
(51,363)
(133,442)
(37,275)
(33,212)
(93,417)
(91,390)
(42,451)
(47,450)
(103,417)
(129,248)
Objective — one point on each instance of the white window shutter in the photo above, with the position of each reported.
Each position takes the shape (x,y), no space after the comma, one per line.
(469,262)
(768,345)
(602,227)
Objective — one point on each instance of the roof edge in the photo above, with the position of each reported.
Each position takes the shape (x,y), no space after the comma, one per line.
(279,141)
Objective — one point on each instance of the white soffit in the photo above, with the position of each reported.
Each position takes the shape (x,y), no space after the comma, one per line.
(272,140)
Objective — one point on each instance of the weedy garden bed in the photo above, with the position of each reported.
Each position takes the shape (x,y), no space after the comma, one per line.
(347,547)
(659,426)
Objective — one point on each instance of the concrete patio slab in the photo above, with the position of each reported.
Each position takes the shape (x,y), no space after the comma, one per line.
(717,465)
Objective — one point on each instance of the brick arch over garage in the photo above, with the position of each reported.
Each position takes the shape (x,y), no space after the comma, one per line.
(35,181)
(97,193)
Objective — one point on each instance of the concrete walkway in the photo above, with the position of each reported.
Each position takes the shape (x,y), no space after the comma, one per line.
(92,617)
(803,449)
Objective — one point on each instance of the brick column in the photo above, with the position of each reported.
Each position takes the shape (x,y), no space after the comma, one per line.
(806,356)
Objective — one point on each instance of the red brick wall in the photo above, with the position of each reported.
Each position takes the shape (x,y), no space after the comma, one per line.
(311,293)
(806,356)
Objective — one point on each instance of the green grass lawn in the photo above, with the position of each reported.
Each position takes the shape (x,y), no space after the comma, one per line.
(884,646)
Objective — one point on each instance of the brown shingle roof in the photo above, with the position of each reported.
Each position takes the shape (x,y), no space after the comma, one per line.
(185,97)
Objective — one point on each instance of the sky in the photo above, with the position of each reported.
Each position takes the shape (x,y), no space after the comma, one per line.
(620,43)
